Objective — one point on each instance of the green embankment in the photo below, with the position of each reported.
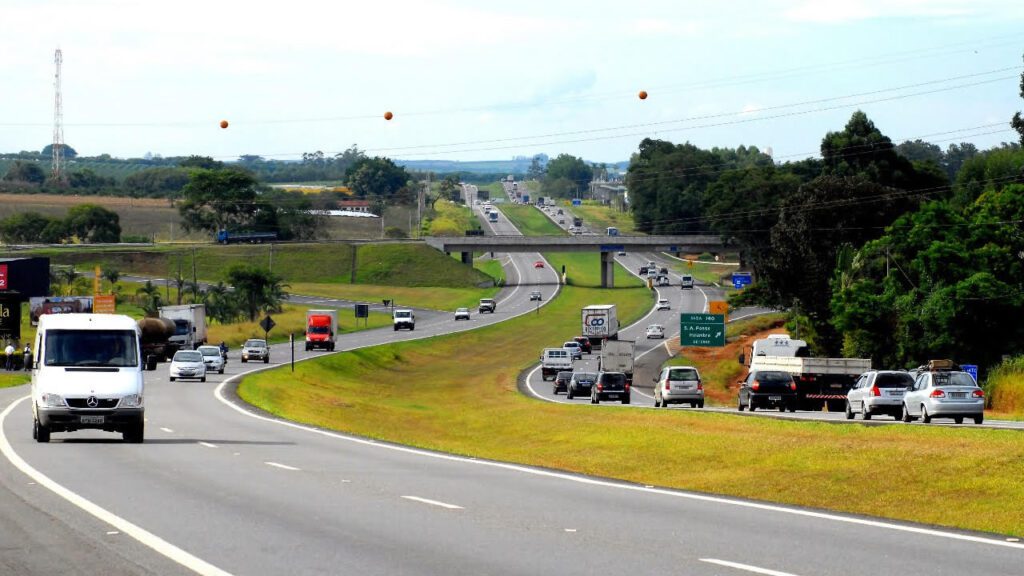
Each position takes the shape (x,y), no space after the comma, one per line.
(431,394)
(450,219)
(599,217)
(530,221)
(1005,388)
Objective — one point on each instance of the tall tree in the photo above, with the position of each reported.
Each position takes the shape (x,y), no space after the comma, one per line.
(1017,121)
(566,175)
(25,171)
(225,200)
(93,224)
(376,176)
(257,289)
(149,299)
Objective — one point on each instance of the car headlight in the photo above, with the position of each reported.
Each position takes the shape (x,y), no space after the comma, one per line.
(131,401)
(53,401)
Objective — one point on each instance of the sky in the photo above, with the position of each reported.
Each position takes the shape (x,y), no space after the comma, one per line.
(471,80)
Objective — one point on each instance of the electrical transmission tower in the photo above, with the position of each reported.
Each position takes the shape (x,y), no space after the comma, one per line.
(57,172)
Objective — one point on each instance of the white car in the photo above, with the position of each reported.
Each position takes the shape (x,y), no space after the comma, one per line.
(462,314)
(679,385)
(188,364)
(212,358)
(663,304)
(655,331)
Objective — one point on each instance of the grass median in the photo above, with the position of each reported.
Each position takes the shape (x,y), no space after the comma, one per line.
(432,394)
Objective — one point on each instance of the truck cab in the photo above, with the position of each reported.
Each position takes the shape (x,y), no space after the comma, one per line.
(87,374)
(404,318)
(321,329)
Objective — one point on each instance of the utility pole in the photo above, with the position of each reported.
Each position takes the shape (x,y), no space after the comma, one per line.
(195,281)
(271,256)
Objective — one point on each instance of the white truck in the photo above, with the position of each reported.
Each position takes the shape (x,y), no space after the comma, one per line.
(321,329)
(820,382)
(189,324)
(553,361)
(617,356)
(600,322)
(404,318)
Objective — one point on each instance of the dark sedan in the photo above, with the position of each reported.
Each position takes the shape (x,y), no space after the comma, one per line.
(561,382)
(767,389)
(580,384)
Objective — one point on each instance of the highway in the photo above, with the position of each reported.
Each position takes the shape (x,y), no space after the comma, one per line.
(218,488)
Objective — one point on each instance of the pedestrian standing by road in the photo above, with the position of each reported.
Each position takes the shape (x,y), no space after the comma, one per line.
(9,356)
(27,357)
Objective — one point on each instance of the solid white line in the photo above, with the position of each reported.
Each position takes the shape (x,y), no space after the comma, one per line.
(207,444)
(746,567)
(144,537)
(282,466)
(433,502)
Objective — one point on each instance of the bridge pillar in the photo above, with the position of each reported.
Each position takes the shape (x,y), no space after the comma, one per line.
(467,258)
(607,269)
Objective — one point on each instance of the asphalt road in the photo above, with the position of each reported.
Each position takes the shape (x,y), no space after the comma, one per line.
(219,489)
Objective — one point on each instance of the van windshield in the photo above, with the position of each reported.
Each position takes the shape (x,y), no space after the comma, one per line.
(319,329)
(109,348)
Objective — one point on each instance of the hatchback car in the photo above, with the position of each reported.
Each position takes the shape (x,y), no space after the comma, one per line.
(580,384)
(585,344)
(538,264)
(255,349)
(213,358)
(944,394)
(878,392)
(536,295)
(610,386)
(188,364)
(663,304)
(575,351)
(767,389)
(679,385)
(655,331)
(561,383)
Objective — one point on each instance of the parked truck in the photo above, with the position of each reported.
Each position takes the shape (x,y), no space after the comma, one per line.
(820,382)
(228,237)
(190,324)
(321,329)
(155,338)
(600,322)
(617,356)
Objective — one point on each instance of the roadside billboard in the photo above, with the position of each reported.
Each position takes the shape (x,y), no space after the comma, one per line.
(104,304)
(58,305)
(10,317)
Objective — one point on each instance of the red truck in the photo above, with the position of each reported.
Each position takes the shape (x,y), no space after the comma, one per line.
(321,329)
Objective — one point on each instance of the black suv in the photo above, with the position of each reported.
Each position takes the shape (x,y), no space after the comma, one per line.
(610,386)
(561,382)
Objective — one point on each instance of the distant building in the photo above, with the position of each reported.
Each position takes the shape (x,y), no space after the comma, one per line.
(354,205)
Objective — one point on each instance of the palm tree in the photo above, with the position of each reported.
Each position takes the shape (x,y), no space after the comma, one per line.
(112,275)
(149,298)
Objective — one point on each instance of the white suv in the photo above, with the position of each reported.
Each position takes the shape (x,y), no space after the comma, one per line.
(679,385)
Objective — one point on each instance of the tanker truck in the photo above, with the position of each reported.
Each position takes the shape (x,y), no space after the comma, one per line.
(156,342)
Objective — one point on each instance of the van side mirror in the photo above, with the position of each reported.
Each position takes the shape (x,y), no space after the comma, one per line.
(655,379)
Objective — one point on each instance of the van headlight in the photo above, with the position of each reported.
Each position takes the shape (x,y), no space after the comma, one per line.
(131,401)
(53,401)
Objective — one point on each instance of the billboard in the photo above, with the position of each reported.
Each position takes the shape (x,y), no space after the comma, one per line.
(104,304)
(3,277)
(10,317)
(58,305)
(27,276)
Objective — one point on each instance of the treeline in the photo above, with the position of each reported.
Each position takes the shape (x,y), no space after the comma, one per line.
(897,253)
(85,223)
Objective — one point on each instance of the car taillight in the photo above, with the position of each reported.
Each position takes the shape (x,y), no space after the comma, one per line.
(600,387)
(979,393)
(937,394)
(627,386)
(668,385)
(792,386)
(700,386)
(875,391)
(755,385)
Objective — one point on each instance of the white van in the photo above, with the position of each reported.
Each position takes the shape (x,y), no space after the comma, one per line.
(404,318)
(87,373)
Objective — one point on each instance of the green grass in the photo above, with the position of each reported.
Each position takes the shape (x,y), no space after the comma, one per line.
(496,190)
(432,298)
(491,268)
(598,217)
(450,219)
(531,222)
(584,269)
(707,273)
(1005,388)
(432,395)
(755,324)
(292,320)
(10,379)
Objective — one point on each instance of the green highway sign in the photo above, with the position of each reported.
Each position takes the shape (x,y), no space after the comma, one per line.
(702,329)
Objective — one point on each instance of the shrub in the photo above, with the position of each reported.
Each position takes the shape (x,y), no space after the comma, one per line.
(1005,386)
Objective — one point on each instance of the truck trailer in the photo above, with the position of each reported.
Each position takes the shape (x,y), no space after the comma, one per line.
(321,329)
(820,382)
(617,356)
(190,324)
(600,322)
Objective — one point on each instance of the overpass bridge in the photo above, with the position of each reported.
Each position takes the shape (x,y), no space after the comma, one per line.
(608,246)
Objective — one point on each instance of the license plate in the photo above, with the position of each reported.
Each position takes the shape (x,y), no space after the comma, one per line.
(894,393)
(91,419)
(613,396)
(958,394)
(775,398)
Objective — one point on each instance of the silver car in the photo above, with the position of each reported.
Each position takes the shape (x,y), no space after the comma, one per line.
(187,364)
(878,392)
(212,358)
(944,394)
(679,385)
(256,349)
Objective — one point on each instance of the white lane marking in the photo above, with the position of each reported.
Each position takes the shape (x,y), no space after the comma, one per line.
(433,502)
(570,529)
(112,532)
(144,537)
(207,444)
(775,508)
(746,567)
(168,430)
(283,466)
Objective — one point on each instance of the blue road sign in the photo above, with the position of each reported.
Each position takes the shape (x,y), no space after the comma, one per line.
(741,279)
(971,369)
